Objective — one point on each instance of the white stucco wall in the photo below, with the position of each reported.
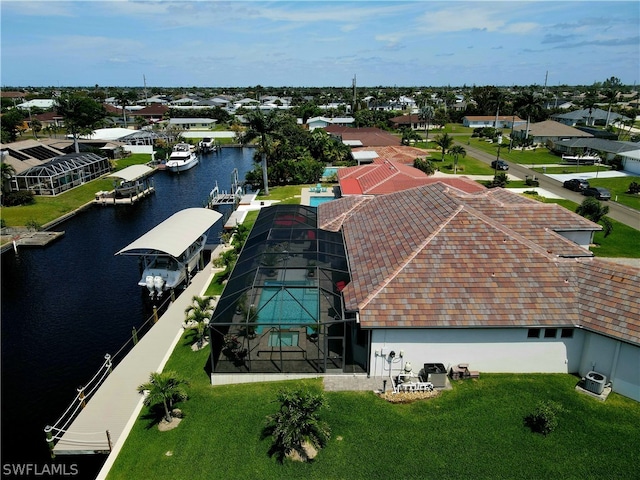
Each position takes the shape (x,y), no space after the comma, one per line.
(619,361)
(582,238)
(506,350)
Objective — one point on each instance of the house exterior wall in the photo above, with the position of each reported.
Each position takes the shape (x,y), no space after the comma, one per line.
(617,360)
(631,165)
(508,350)
(496,350)
(582,238)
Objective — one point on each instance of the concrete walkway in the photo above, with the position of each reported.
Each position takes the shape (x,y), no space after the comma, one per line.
(117,403)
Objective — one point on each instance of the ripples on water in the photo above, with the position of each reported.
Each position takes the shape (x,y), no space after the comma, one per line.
(66,305)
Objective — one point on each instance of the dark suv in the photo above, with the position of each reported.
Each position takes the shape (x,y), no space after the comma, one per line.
(599,192)
(499,165)
(576,184)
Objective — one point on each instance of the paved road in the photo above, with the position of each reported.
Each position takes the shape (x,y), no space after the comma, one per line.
(618,212)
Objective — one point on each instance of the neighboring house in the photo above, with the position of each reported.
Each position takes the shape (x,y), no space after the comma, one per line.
(411,121)
(434,274)
(631,161)
(561,103)
(548,132)
(42,103)
(193,123)
(323,122)
(49,119)
(368,136)
(578,146)
(481,121)
(588,117)
(152,113)
(398,153)
(28,153)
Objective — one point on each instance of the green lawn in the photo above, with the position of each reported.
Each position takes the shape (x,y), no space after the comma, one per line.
(622,242)
(618,187)
(539,156)
(475,430)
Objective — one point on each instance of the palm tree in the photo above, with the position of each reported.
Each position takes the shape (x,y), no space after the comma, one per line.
(528,104)
(7,171)
(456,151)
(593,210)
(264,127)
(612,89)
(444,142)
(124,98)
(165,388)
(296,423)
(198,315)
(81,114)
(426,114)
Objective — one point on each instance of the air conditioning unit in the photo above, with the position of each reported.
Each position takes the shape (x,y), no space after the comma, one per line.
(594,382)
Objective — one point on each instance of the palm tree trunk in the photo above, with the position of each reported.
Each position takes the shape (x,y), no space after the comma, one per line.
(265,177)
(167,413)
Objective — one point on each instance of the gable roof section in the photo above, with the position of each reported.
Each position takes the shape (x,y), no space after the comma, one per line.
(399,153)
(380,177)
(434,257)
(609,296)
(551,128)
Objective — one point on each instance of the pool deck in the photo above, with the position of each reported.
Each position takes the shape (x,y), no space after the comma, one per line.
(309,192)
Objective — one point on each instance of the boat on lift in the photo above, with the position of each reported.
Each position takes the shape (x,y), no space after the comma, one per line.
(207,144)
(586,159)
(170,252)
(183,157)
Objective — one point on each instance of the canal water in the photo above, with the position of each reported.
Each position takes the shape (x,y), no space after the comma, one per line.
(67,305)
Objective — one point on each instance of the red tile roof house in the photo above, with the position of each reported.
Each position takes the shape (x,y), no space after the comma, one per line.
(385,176)
(492,279)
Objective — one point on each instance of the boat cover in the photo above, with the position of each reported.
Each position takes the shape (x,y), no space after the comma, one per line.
(132,173)
(175,234)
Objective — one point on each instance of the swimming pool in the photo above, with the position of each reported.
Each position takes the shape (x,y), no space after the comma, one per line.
(315,201)
(329,171)
(293,306)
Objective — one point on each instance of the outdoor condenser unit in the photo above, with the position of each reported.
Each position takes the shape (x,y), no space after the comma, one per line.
(594,382)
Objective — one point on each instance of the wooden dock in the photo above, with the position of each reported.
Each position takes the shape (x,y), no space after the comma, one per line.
(35,239)
(109,198)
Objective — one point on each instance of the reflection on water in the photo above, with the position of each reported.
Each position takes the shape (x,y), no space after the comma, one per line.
(66,305)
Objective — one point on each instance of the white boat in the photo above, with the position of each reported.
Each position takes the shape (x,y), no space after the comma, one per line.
(183,157)
(163,272)
(586,159)
(172,250)
(207,144)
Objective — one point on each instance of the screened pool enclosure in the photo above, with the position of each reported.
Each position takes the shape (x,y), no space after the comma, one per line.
(281,310)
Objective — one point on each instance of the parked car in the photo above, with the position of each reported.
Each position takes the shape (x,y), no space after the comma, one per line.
(599,192)
(499,165)
(576,184)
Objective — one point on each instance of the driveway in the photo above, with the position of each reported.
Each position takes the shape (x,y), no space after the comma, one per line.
(548,183)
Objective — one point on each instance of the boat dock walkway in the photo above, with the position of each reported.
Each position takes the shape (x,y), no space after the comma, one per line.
(115,406)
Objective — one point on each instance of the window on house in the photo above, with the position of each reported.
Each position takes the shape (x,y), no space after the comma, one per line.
(533,333)
(550,332)
(566,333)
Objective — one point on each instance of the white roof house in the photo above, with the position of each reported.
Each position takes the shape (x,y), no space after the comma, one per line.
(37,103)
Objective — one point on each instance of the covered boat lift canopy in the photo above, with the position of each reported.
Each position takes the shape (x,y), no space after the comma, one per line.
(132,173)
(176,234)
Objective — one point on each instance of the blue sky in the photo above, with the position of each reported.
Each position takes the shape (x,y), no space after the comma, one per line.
(318,43)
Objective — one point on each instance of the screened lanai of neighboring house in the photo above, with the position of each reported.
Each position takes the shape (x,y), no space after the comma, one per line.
(62,173)
(281,310)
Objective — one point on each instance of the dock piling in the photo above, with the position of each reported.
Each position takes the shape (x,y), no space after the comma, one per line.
(47,432)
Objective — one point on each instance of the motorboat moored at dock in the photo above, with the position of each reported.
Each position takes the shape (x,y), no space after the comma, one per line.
(172,250)
(183,157)
(207,144)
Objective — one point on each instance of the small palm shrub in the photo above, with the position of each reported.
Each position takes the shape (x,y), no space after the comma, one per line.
(296,424)
(544,419)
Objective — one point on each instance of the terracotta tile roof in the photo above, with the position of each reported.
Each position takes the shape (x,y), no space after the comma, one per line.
(380,177)
(398,153)
(609,295)
(370,136)
(433,256)
(151,110)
